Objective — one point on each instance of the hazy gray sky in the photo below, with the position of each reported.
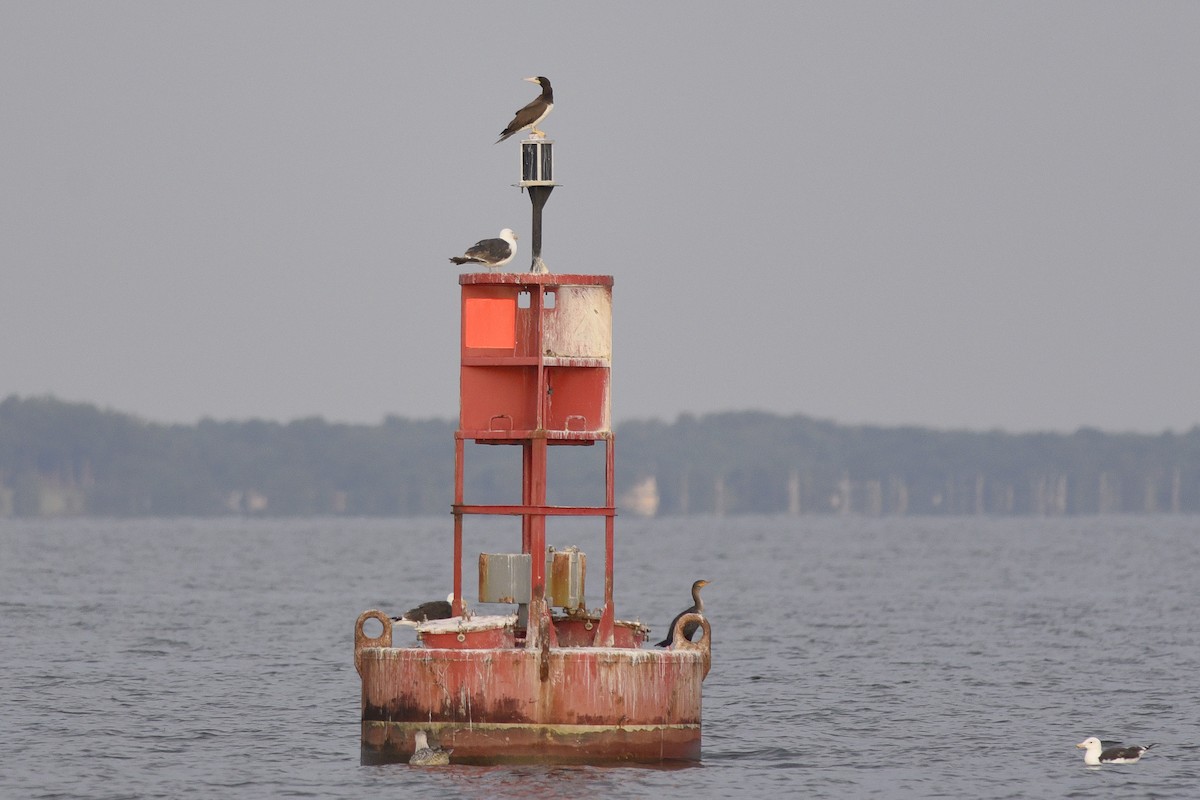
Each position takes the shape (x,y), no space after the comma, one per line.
(946,214)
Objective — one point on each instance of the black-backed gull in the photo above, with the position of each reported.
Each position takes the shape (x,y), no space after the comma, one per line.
(426,756)
(491,253)
(1095,754)
(434,609)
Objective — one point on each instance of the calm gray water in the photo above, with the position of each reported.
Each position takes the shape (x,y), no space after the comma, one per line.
(852,657)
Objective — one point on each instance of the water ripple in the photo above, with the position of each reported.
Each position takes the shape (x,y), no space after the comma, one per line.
(887,658)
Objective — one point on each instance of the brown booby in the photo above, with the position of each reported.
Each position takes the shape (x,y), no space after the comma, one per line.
(491,253)
(1094,755)
(532,114)
(689,629)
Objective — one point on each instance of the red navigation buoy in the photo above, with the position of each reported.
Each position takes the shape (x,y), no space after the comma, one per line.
(551,681)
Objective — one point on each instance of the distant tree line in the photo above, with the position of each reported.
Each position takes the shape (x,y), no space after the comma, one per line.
(59,458)
(746,461)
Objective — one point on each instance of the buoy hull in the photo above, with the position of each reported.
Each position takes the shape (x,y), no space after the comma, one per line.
(580,705)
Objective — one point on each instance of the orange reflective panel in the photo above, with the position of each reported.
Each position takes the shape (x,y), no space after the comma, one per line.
(490,322)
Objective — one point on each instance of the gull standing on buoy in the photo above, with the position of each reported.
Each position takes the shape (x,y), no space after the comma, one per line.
(491,253)
(690,628)
(426,756)
(532,114)
(434,609)
(1093,754)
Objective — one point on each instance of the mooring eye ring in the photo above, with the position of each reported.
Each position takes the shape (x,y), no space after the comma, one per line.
(703,645)
(361,639)
(686,619)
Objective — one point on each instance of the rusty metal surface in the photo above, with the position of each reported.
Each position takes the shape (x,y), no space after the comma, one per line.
(624,703)
(702,646)
(362,640)
(584,686)
(581,630)
(580,325)
(522,279)
(505,577)
(546,511)
(536,356)
(535,370)
(566,574)
(499,635)
(391,742)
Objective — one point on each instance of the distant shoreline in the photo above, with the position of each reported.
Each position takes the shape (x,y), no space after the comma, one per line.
(74,459)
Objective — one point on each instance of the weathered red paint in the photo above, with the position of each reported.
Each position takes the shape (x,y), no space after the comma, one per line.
(499,636)
(504,377)
(520,703)
(483,744)
(583,630)
(573,686)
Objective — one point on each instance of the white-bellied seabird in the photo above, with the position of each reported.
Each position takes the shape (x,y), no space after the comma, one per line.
(426,756)
(491,253)
(532,114)
(1094,754)
(434,609)
(697,607)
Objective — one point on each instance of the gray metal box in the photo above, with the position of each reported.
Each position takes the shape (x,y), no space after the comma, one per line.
(565,572)
(505,577)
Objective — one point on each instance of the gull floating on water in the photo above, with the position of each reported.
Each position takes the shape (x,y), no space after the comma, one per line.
(1094,754)
(426,756)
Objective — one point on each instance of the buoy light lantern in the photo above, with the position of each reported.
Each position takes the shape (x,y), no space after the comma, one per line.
(537,163)
(537,175)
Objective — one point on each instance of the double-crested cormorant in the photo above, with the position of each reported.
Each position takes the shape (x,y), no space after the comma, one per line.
(434,609)
(491,253)
(426,756)
(1114,755)
(690,628)
(533,113)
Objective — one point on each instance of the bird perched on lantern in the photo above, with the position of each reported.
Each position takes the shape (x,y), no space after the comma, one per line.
(491,253)
(533,113)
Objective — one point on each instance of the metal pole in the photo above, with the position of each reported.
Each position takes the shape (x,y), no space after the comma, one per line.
(459,466)
(538,195)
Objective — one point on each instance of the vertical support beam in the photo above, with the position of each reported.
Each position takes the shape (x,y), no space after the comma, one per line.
(537,485)
(459,464)
(604,631)
(537,306)
(540,632)
(526,496)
